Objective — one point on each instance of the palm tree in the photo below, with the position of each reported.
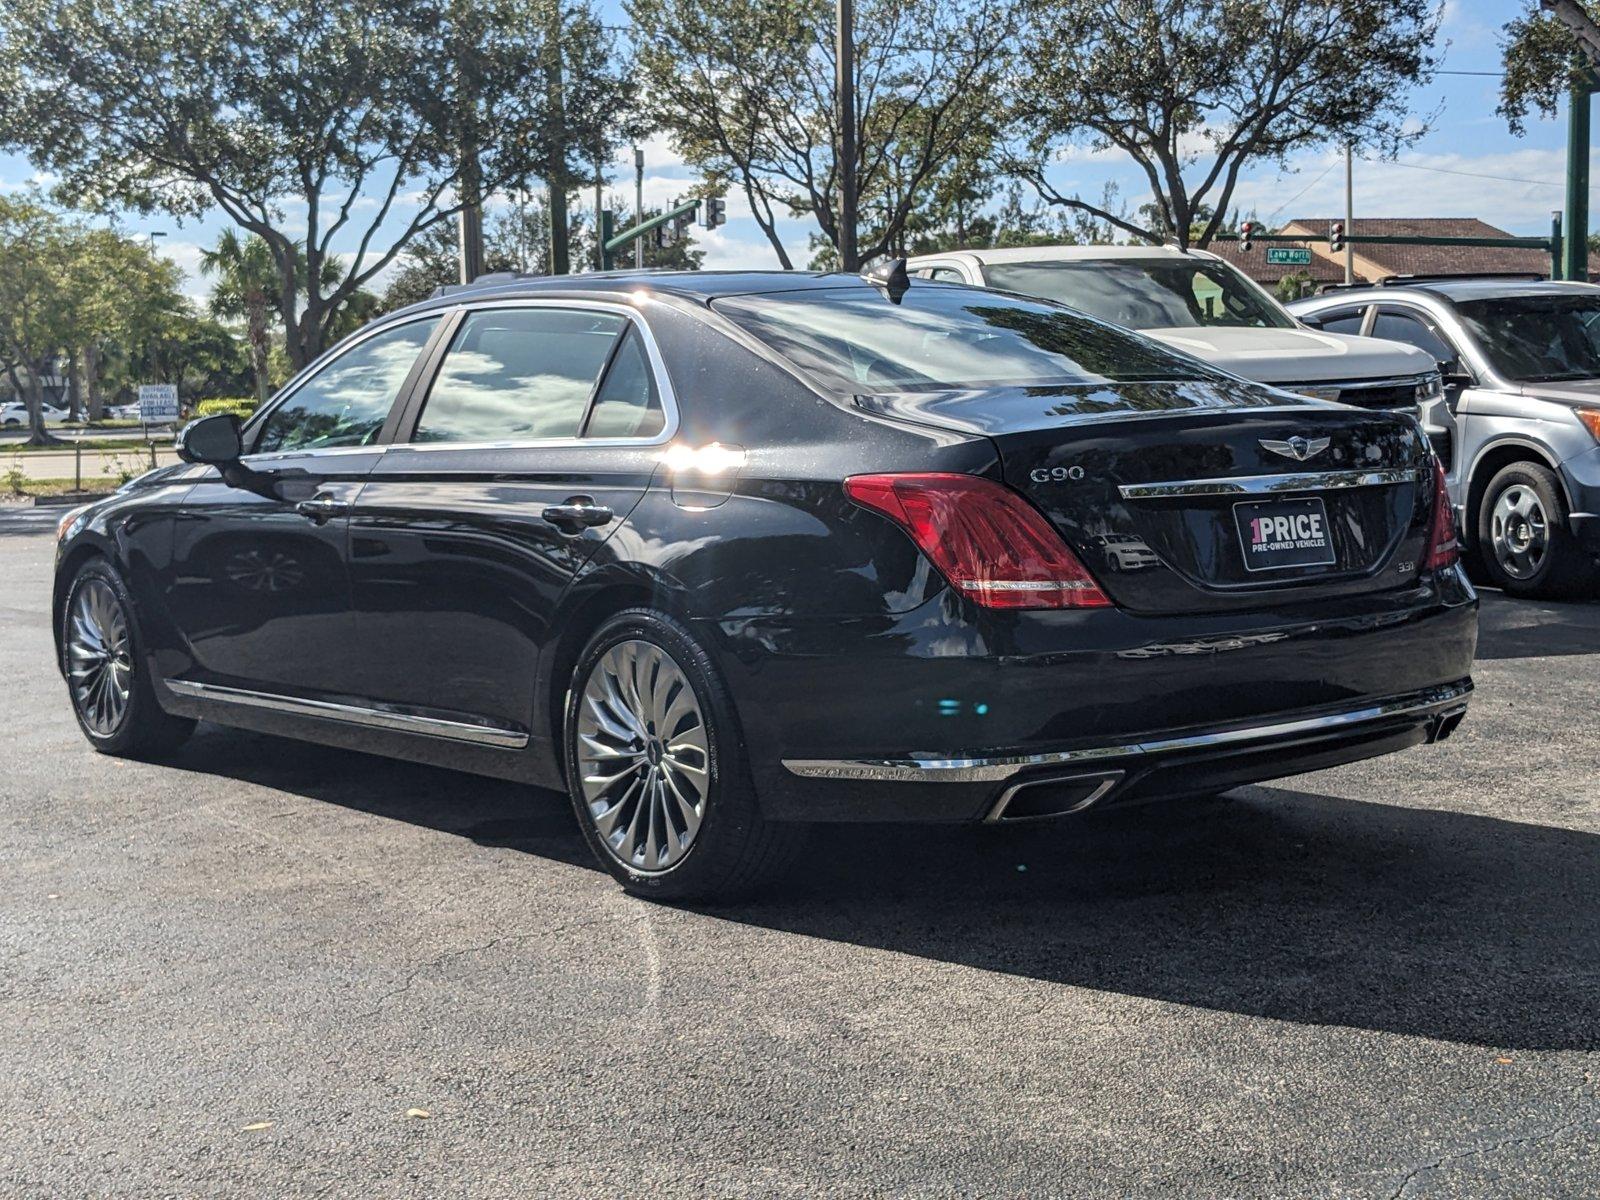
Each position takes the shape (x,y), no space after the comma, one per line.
(247,288)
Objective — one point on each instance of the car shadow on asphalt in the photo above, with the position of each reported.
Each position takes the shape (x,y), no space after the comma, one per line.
(1270,902)
(1512,628)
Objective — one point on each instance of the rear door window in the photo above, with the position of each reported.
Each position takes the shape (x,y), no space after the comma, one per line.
(519,374)
(627,404)
(1400,326)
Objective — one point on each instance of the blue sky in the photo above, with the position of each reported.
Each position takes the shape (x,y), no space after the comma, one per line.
(1467,165)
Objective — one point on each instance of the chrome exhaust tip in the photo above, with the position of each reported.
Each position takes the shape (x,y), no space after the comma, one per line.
(1446,724)
(1052,796)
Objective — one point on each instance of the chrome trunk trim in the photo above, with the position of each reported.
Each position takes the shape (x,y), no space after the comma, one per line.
(930,769)
(1255,485)
(353,714)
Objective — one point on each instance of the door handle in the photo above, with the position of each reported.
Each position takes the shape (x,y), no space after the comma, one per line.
(577,514)
(322,508)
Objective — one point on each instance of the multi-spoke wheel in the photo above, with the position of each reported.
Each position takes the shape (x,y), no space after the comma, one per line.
(114,704)
(656,769)
(99,657)
(1523,540)
(642,755)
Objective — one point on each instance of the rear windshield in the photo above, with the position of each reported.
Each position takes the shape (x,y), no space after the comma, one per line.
(1146,293)
(853,341)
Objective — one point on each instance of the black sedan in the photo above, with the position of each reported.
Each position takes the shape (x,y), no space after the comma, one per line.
(721,554)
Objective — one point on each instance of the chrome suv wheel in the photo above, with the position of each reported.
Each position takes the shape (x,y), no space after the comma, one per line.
(1523,541)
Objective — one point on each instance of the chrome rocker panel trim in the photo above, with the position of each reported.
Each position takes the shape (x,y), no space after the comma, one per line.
(991,770)
(1252,485)
(352,714)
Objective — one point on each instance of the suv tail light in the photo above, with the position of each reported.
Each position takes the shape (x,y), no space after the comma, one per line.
(990,543)
(1444,548)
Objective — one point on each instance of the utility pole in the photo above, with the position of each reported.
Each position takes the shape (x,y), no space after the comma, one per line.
(469,222)
(1579,102)
(1349,215)
(845,101)
(638,204)
(599,206)
(555,173)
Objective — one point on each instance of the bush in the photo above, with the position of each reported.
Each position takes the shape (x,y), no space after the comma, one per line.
(242,405)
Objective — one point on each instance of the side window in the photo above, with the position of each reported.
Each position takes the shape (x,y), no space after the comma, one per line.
(1403,327)
(1338,320)
(627,404)
(518,374)
(346,402)
(946,275)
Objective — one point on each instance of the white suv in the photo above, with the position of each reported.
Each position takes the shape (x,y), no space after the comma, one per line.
(1198,303)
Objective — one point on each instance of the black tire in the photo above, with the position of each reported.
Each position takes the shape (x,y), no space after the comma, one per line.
(1557,564)
(143,729)
(734,850)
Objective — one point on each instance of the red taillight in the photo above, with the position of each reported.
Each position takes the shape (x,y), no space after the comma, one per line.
(990,543)
(1444,548)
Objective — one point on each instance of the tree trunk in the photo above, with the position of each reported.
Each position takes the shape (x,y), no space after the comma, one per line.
(75,386)
(38,435)
(91,382)
(257,332)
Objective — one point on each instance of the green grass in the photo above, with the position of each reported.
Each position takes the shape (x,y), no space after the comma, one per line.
(53,487)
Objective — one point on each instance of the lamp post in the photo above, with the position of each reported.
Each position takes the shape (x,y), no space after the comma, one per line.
(845,97)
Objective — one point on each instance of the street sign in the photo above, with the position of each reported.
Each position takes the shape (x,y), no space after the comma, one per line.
(158,402)
(1288,256)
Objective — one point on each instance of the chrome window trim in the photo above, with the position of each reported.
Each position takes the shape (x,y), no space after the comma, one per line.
(1442,700)
(355,714)
(658,369)
(1253,485)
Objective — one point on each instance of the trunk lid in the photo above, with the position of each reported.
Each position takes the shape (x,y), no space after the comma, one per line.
(1186,497)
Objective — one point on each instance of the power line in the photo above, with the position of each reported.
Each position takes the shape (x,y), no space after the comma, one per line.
(1300,193)
(1476,174)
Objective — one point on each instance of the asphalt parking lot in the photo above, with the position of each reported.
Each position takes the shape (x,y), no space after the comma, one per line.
(237,972)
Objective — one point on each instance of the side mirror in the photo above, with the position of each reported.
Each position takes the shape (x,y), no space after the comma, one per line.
(211,440)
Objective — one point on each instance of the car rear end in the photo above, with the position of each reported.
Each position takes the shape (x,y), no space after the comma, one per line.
(1169,583)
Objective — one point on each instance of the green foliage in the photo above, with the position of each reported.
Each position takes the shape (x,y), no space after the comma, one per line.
(1542,62)
(240,406)
(1295,286)
(1193,90)
(745,88)
(371,119)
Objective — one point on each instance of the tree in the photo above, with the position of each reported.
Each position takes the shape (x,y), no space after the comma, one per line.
(1193,90)
(351,120)
(745,89)
(247,290)
(38,310)
(1542,63)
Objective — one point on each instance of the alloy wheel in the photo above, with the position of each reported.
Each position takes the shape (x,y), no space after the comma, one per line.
(1519,531)
(99,657)
(642,756)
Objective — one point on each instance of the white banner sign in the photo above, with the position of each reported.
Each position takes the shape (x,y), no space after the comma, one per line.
(158,402)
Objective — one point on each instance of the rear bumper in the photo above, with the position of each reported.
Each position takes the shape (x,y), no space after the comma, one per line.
(1052,783)
(930,715)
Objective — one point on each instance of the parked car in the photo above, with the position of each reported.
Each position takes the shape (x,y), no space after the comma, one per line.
(720,554)
(123,412)
(1202,305)
(15,414)
(1518,425)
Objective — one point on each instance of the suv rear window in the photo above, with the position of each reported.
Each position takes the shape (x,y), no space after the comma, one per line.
(853,341)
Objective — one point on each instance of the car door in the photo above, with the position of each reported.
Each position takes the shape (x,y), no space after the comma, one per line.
(1443,418)
(537,435)
(260,585)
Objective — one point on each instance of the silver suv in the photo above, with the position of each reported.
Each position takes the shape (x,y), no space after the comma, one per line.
(1518,425)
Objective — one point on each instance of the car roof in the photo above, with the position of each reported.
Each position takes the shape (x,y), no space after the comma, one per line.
(625,285)
(1014,254)
(1463,288)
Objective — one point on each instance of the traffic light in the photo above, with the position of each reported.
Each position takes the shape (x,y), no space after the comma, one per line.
(681,223)
(716,211)
(1336,237)
(659,236)
(1246,232)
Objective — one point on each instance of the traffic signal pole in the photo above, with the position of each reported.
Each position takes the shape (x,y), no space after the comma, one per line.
(614,243)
